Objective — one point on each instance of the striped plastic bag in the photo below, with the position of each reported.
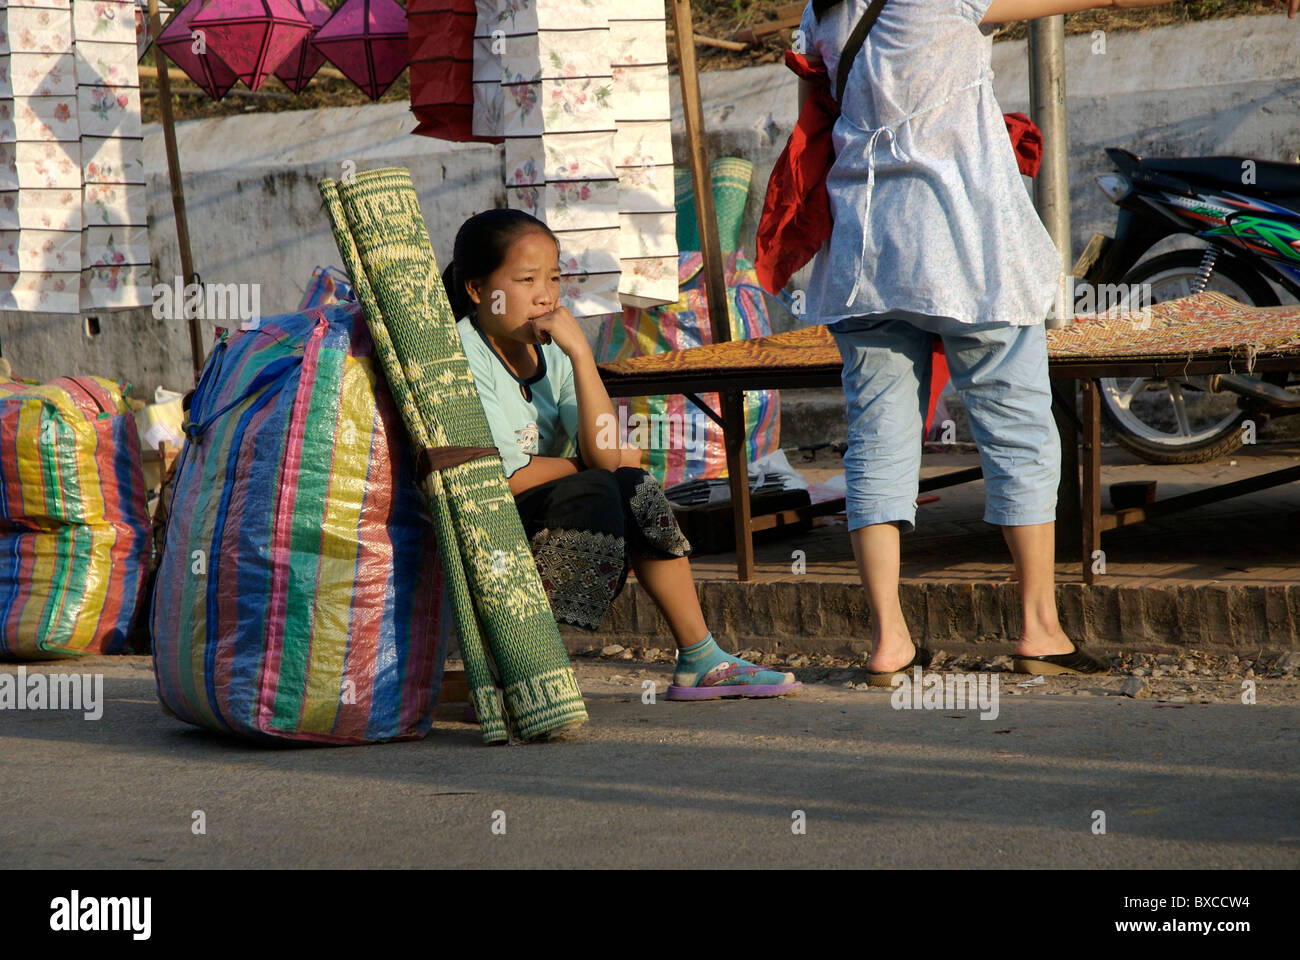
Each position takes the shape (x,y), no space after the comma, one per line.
(680,441)
(74,529)
(299,594)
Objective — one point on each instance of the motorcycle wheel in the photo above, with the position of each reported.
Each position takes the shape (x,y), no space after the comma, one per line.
(1179,420)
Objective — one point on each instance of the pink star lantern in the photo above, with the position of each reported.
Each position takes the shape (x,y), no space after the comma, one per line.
(253,37)
(366,40)
(205,69)
(301,65)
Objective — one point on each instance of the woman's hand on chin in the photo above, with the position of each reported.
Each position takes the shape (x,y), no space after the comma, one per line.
(560,327)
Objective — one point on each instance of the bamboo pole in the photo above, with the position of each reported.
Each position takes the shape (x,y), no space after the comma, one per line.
(733,415)
(177,188)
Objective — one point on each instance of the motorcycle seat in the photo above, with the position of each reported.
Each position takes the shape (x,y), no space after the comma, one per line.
(1272,179)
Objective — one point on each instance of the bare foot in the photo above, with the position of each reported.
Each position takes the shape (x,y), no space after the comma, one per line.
(893,653)
(1044,644)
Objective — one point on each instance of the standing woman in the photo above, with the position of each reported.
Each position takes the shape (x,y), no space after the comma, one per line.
(934,234)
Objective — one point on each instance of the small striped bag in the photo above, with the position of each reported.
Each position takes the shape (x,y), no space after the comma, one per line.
(680,441)
(299,594)
(74,529)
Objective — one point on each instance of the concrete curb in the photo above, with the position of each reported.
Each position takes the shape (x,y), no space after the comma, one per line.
(827,617)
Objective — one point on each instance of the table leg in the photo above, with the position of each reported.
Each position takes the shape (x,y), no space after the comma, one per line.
(1069,519)
(733,433)
(1091,504)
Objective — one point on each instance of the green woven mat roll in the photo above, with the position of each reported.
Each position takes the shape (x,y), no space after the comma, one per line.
(730,177)
(508,637)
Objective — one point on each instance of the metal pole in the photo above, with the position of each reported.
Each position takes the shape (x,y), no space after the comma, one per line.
(178,189)
(1047,107)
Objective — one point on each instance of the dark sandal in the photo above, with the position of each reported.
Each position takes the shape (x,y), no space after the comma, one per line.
(885,678)
(1078,662)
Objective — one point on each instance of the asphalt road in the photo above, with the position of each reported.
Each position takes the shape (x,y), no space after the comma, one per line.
(670,785)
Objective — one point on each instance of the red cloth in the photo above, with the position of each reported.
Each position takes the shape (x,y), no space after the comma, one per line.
(440,40)
(1026,140)
(796,218)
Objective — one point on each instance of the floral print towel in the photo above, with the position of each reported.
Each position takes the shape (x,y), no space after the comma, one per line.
(73,218)
(579,91)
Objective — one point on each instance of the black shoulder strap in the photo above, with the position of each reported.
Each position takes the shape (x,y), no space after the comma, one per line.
(856,39)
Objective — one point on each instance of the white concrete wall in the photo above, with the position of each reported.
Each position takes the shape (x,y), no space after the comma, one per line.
(1227,86)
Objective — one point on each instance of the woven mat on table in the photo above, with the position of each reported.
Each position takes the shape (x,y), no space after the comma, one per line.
(808,348)
(508,635)
(1209,324)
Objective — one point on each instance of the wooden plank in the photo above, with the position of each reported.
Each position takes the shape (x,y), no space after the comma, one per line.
(703,41)
(733,431)
(177,188)
(787,17)
(1069,519)
(1092,253)
(1198,498)
(1091,505)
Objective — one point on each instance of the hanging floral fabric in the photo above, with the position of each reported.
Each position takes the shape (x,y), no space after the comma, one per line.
(643,146)
(488,95)
(547,76)
(73,219)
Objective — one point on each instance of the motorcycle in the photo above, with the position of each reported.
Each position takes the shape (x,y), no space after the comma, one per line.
(1247,215)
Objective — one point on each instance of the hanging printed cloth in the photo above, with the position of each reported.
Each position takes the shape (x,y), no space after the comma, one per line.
(559,150)
(73,217)
(115,259)
(519,673)
(580,93)
(643,148)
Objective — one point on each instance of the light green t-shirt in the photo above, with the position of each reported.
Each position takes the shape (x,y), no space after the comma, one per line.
(545,422)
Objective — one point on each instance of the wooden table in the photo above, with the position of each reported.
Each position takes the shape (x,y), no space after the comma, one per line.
(1080,519)
(1093,521)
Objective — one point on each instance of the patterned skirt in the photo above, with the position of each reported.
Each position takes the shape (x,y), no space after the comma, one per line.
(583,530)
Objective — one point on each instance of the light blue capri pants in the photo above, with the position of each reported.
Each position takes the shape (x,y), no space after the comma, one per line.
(1000,372)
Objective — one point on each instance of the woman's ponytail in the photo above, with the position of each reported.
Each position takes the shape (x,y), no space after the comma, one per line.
(461,304)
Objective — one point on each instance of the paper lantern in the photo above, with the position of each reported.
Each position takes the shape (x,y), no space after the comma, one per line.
(143,33)
(252,37)
(643,151)
(441,51)
(206,69)
(301,65)
(366,40)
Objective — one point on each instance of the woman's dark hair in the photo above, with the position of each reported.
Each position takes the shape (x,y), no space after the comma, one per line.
(481,246)
(821,6)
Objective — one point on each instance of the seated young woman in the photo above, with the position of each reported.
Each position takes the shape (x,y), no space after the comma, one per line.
(590,512)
